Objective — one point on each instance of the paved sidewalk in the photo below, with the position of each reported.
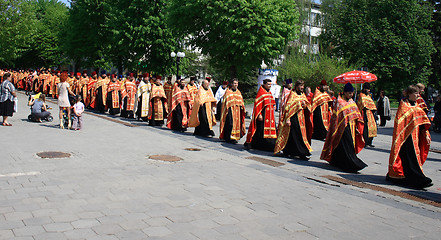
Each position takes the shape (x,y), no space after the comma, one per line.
(110,189)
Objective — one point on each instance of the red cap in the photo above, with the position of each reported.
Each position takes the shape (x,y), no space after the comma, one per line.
(224,83)
(71,73)
(159,77)
(323,82)
(131,75)
(78,74)
(93,73)
(58,71)
(113,76)
(146,75)
(85,71)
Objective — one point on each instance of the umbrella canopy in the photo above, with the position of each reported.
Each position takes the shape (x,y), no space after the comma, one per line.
(355,77)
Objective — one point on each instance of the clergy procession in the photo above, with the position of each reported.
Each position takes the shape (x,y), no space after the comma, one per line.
(346,126)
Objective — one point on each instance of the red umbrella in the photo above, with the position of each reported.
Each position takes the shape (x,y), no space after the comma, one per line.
(355,77)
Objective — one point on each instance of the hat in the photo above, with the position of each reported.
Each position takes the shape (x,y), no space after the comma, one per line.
(192,78)
(85,71)
(58,71)
(366,85)
(72,73)
(348,88)
(131,74)
(224,83)
(288,81)
(323,82)
(208,79)
(103,72)
(113,76)
(78,74)
(120,76)
(146,75)
(93,73)
(159,77)
(153,76)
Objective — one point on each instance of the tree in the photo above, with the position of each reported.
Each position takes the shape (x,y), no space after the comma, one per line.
(298,66)
(45,43)
(236,34)
(389,37)
(17,26)
(436,36)
(86,38)
(141,38)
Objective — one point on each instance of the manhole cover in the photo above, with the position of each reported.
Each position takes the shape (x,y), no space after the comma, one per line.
(53,154)
(166,158)
(193,149)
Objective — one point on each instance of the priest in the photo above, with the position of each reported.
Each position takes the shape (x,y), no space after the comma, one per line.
(202,114)
(232,123)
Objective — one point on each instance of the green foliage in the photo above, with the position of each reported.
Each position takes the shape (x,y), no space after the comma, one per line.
(141,38)
(389,37)
(298,66)
(435,78)
(17,26)
(86,39)
(236,34)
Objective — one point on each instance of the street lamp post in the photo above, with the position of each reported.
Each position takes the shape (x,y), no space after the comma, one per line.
(178,56)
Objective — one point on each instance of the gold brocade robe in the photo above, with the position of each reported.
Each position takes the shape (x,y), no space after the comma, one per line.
(321,100)
(233,100)
(293,106)
(203,96)
(168,89)
(365,101)
(102,82)
(410,121)
(158,100)
(144,93)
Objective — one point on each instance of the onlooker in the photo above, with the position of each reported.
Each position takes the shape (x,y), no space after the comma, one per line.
(7,95)
(78,109)
(437,109)
(383,108)
(63,98)
(39,109)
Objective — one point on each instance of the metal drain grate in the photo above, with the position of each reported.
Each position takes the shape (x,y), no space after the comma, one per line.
(53,155)
(165,158)
(266,161)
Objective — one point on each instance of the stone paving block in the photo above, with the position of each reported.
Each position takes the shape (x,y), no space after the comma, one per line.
(85,223)
(50,236)
(58,227)
(23,238)
(64,217)
(105,237)
(228,229)
(5,234)
(90,214)
(132,235)
(157,221)
(45,212)
(255,235)
(28,231)
(27,207)
(80,233)
(111,219)
(135,216)
(107,229)
(225,220)
(205,233)
(157,231)
(15,216)
(37,221)
(6,210)
(134,225)
(5,225)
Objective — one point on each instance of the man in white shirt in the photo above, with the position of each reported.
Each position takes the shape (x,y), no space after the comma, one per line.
(219,96)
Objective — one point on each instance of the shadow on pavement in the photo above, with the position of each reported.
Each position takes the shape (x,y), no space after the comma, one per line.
(322,164)
(436,197)
(373,179)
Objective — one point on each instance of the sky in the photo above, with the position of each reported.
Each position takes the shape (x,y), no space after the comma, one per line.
(65,2)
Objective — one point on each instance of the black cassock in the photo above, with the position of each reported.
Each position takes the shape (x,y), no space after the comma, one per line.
(203,129)
(258,142)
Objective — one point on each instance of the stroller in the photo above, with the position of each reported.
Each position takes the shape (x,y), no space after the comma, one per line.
(32,118)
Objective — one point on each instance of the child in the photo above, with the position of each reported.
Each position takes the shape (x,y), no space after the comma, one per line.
(78,109)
